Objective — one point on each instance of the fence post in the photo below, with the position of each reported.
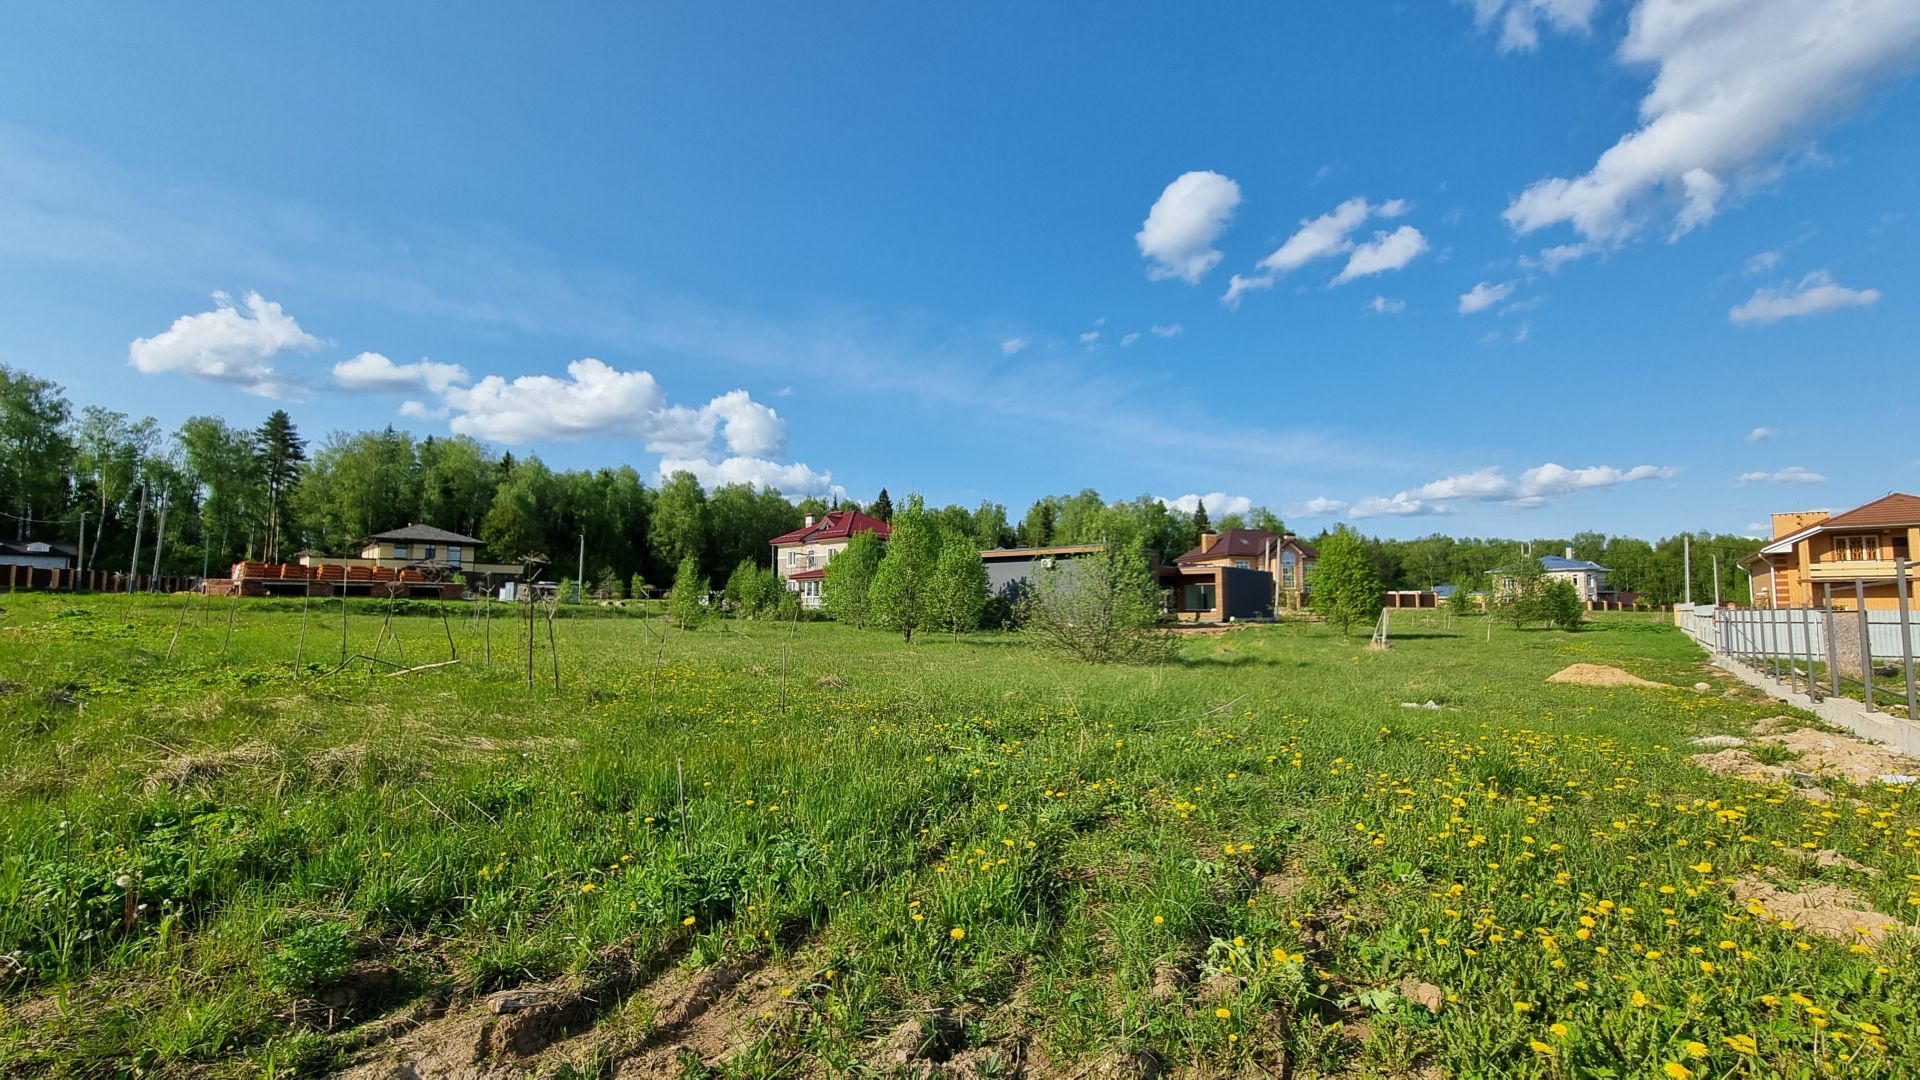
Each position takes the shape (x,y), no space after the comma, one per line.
(1806,633)
(1906,637)
(1833,647)
(1866,640)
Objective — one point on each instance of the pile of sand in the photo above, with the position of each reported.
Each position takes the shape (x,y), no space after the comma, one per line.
(1830,752)
(1832,910)
(1598,675)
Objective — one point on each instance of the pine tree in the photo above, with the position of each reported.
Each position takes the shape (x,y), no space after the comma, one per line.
(1346,587)
(1201,524)
(845,589)
(902,590)
(883,506)
(281,451)
(959,584)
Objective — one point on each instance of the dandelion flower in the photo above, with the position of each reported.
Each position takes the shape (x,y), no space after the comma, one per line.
(1676,1071)
(957,934)
(1224,1014)
(1540,1047)
(1695,1049)
(1159,920)
(1741,1043)
(588,887)
(688,921)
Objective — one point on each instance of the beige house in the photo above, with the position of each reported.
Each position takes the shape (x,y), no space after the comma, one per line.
(1814,550)
(800,557)
(420,547)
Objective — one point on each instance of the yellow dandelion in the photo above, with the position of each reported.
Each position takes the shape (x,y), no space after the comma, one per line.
(1224,1014)
(1540,1047)
(1676,1071)
(1695,1049)
(1743,1044)
(957,934)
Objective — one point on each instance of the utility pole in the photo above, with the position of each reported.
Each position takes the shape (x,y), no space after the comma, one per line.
(1716,582)
(581,575)
(80,556)
(159,541)
(1686,567)
(140,524)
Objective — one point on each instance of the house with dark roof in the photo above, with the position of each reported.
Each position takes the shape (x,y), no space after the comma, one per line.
(40,554)
(800,557)
(421,547)
(1817,552)
(1202,589)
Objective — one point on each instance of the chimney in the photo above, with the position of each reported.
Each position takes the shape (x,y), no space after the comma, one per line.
(1569,552)
(809,521)
(1207,540)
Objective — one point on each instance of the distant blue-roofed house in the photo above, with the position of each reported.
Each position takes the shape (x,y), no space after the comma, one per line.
(1589,578)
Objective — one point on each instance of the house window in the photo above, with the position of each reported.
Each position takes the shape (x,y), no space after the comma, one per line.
(1198,598)
(453,554)
(1856,548)
(1241,563)
(399,551)
(426,552)
(1286,569)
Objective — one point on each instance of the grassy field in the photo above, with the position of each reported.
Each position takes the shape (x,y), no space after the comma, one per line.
(959,855)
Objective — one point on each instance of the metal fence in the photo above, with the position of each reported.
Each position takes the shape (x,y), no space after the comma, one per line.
(1821,650)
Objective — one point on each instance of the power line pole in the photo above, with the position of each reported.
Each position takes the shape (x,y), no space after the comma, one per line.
(1686,567)
(80,556)
(159,541)
(140,524)
(581,575)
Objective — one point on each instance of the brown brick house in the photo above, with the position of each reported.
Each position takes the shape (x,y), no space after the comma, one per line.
(1812,549)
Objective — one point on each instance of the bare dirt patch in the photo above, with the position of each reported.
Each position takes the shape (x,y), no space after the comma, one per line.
(1744,766)
(1831,859)
(1824,752)
(1832,910)
(1424,994)
(1599,675)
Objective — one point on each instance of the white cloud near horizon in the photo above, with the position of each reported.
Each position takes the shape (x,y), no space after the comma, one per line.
(792,480)
(1534,487)
(1483,296)
(1792,474)
(227,345)
(373,372)
(1738,87)
(1185,220)
(1520,20)
(1815,294)
(1218,503)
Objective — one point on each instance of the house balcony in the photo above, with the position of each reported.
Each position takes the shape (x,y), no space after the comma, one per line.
(1838,570)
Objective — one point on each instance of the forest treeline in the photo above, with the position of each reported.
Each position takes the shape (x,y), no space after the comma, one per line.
(212,493)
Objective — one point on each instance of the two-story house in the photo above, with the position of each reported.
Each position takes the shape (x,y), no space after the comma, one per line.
(1813,551)
(1203,589)
(800,557)
(418,546)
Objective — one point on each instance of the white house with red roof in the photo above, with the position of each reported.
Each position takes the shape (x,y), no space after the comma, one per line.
(801,556)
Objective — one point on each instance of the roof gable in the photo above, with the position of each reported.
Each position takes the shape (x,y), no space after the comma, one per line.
(425,534)
(1894,508)
(1556,562)
(835,525)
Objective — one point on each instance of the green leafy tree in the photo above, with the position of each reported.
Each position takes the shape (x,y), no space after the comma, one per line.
(902,591)
(1036,529)
(753,590)
(607,585)
(959,584)
(637,587)
(1460,603)
(1101,608)
(1346,587)
(35,451)
(679,526)
(846,590)
(1519,592)
(1561,605)
(687,603)
(360,484)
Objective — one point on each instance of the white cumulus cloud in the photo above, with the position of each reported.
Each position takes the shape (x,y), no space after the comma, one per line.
(227,345)
(1760,262)
(1738,85)
(373,372)
(1761,434)
(1331,235)
(1792,474)
(1533,487)
(1129,338)
(1815,294)
(1383,306)
(1218,503)
(1186,219)
(1014,345)
(1320,237)
(1483,296)
(795,481)
(1386,251)
(1167,331)
(1089,337)
(1520,20)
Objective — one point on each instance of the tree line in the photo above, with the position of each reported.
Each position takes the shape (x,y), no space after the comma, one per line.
(212,493)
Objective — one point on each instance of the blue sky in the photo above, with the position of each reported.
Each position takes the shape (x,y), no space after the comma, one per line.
(1505,266)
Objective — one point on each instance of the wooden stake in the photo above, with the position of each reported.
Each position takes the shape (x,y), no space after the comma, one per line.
(300,651)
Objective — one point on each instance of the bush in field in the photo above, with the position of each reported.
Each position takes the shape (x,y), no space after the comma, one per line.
(1460,604)
(1346,587)
(310,958)
(607,586)
(1101,608)
(959,584)
(1561,606)
(849,580)
(569,591)
(752,590)
(903,590)
(637,587)
(687,604)
(1519,593)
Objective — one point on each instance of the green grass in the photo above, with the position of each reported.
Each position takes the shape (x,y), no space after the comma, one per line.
(200,853)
